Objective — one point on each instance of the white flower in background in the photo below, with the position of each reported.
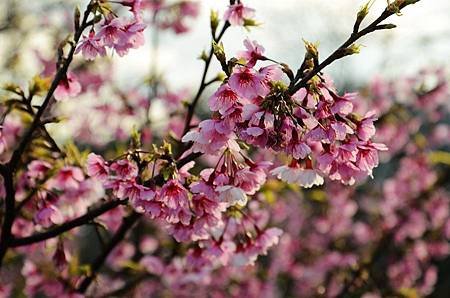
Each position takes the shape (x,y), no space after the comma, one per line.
(306,178)
(232,195)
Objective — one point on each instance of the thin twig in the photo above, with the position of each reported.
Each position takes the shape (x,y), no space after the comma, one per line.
(203,85)
(10,168)
(337,54)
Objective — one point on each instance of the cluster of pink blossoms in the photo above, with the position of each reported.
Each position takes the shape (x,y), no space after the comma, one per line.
(220,218)
(116,33)
(315,125)
(195,211)
(402,231)
(60,194)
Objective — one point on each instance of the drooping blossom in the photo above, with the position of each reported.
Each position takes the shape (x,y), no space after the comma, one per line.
(175,198)
(304,177)
(232,195)
(237,13)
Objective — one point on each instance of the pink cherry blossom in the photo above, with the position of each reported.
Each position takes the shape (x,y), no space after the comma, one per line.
(223,99)
(97,167)
(232,195)
(153,265)
(37,169)
(124,169)
(306,178)
(237,13)
(67,178)
(253,53)
(48,215)
(91,47)
(175,198)
(366,129)
(133,38)
(111,33)
(67,88)
(247,83)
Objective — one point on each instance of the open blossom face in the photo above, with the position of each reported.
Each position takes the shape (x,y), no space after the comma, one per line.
(134,37)
(232,195)
(111,33)
(247,83)
(48,216)
(37,169)
(223,99)
(124,169)
(91,47)
(96,167)
(253,53)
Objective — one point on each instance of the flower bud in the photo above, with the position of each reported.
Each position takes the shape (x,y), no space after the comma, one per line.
(219,52)
(355,49)
(203,56)
(250,23)
(135,138)
(387,26)
(351,50)
(76,18)
(39,85)
(214,21)
(362,13)
(311,49)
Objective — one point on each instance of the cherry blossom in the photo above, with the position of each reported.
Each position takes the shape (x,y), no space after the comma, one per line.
(67,88)
(236,14)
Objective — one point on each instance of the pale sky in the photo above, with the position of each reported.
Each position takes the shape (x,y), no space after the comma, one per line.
(422,38)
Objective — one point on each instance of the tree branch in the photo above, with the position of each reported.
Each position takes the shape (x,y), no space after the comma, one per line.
(61,74)
(338,53)
(203,84)
(10,168)
(58,230)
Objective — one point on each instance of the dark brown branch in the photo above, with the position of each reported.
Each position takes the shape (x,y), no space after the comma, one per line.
(10,168)
(203,84)
(58,230)
(338,53)
(60,75)
(9,214)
